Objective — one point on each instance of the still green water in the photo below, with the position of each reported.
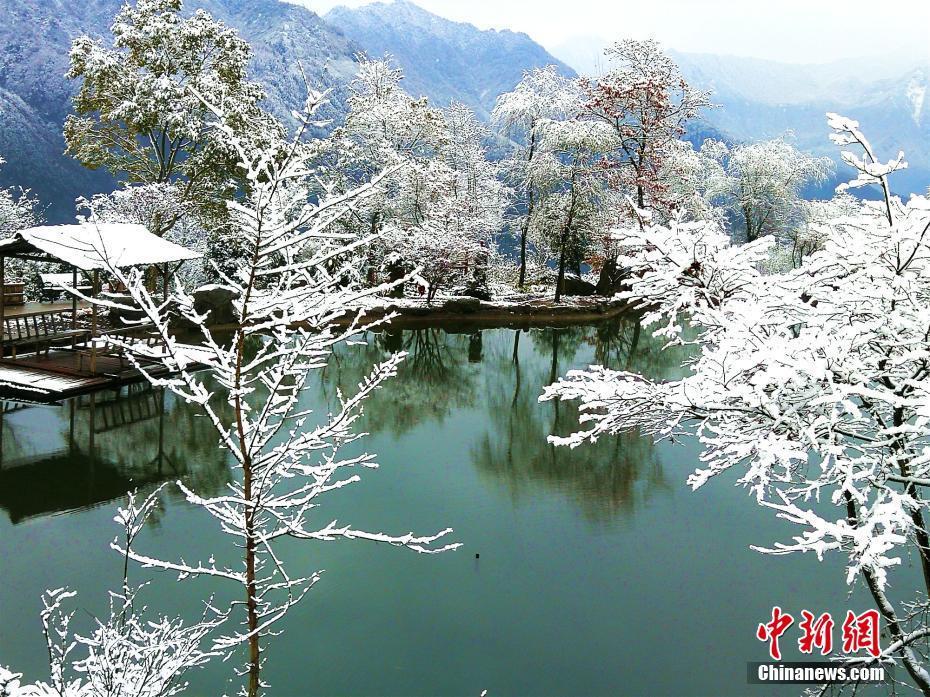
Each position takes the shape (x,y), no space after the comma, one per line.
(600,572)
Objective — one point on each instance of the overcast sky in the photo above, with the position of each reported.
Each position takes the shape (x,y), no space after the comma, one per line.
(799,31)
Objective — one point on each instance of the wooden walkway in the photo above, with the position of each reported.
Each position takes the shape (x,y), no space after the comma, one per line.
(62,374)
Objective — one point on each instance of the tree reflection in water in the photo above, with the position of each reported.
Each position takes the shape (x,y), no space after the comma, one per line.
(436,379)
(608,478)
(502,372)
(93,449)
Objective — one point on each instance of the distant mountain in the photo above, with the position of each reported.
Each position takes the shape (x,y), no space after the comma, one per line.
(34,43)
(760,99)
(583,53)
(442,59)
(35,38)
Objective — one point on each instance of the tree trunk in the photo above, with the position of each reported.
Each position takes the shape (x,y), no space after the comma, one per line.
(396,273)
(634,342)
(475,347)
(916,672)
(566,234)
(750,232)
(530,203)
(251,602)
(920,534)
(251,605)
(608,281)
(560,279)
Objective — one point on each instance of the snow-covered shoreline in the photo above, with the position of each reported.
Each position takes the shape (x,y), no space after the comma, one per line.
(522,310)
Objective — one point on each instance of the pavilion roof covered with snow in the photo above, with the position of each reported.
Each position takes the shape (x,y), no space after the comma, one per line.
(93,246)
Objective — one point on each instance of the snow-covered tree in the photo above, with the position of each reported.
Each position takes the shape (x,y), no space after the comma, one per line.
(136,110)
(126,655)
(156,207)
(290,287)
(809,233)
(814,383)
(569,213)
(647,102)
(18,210)
(385,128)
(443,202)
(457,203)
(765,183)
(542,95)
(695,181)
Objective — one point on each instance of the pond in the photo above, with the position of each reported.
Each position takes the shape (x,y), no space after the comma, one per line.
(600,572)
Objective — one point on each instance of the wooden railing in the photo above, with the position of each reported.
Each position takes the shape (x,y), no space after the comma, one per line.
(40,330)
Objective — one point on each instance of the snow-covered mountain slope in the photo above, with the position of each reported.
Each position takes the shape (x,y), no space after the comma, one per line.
(442,59)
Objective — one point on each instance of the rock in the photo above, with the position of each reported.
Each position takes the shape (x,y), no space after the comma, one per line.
(611,279)
(396,273)
(477,292)
(573,285)
(123,317)
(462,306)
(477,284)
(416,311)
(217,300)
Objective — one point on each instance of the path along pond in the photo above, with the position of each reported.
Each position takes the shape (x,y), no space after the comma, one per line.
(600,572)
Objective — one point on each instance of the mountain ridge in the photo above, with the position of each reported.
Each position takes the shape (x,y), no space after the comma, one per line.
(443,59)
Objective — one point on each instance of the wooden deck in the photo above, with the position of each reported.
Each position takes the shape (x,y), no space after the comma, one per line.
(62,374)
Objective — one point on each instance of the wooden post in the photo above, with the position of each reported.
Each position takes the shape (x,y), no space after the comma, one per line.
(73,297)
(71,425)
(165,282)
(2,306)
(91,419)
(93,324)
(161,429)
(73,305)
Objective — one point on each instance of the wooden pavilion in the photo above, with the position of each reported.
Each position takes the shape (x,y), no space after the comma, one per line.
(47,345)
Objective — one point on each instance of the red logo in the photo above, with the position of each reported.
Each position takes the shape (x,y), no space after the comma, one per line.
(816,633)
(771,631)
(860,632)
